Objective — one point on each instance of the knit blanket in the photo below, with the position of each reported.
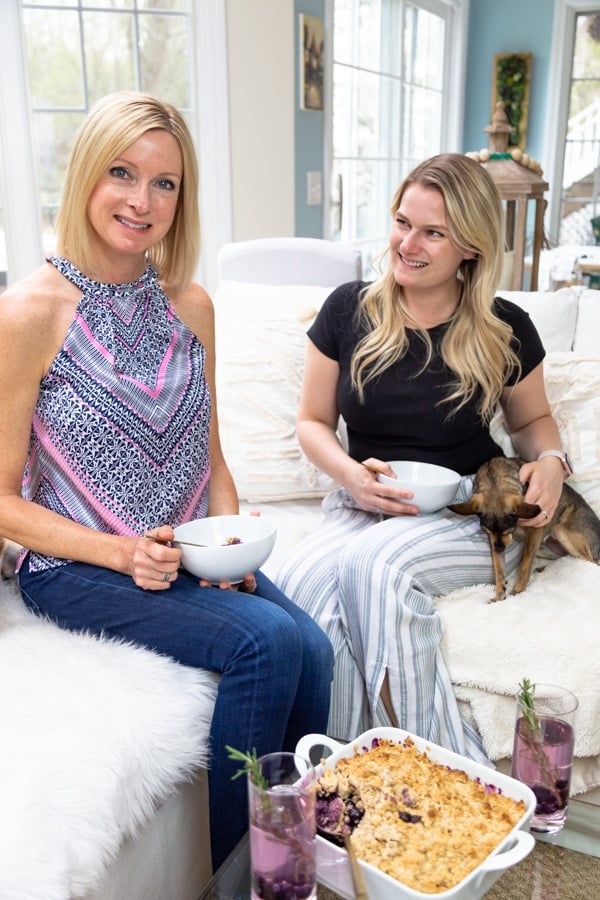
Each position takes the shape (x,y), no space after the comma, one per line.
(548,633)
(95,734)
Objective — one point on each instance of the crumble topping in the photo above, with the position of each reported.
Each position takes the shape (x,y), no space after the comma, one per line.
(421,822)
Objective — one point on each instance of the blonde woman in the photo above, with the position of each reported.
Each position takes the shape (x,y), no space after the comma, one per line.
(109,433)
(416,363)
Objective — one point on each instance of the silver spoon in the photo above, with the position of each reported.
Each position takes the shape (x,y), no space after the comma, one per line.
(175,541)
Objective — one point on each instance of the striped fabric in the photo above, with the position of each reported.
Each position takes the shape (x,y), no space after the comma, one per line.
(369,584)
(120,431)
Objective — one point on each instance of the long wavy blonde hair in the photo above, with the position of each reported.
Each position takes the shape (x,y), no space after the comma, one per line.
(114,123)
(477,345)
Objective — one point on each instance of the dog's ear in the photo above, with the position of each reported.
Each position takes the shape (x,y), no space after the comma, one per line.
(525,510)
(471,507)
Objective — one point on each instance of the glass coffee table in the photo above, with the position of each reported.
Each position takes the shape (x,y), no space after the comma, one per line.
(231,881)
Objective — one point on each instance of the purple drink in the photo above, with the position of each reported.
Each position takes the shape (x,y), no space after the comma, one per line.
(282,847)
(282,828)
(542,759)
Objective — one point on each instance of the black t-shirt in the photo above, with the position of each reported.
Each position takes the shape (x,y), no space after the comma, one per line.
(401,417)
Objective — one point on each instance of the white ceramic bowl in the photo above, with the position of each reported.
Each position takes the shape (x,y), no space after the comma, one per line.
(218,560)
(332,862)
(433,487)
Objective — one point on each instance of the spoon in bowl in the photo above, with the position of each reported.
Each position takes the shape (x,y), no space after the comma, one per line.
(156,540)
(344,840)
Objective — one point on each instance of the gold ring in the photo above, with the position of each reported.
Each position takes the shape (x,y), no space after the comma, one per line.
(166,577)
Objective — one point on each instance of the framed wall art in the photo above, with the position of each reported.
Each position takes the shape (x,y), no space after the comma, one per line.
(510,83)
(311,62)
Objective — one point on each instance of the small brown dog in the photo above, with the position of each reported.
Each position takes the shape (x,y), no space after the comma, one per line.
(498,501)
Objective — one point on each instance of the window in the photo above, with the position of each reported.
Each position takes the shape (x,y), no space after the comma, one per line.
(580,195)
(394,93)
(571,117)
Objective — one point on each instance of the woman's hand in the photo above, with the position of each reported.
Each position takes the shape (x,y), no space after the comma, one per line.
(155,562)
(379,498)
(246,586)
(544,479)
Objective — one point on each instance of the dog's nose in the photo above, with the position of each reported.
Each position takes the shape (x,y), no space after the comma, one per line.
(499,547)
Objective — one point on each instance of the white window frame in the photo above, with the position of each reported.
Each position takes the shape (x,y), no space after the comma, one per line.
(18,185)
(557,103)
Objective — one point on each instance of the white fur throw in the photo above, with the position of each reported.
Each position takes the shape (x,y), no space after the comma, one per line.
(94,735)
(548,633)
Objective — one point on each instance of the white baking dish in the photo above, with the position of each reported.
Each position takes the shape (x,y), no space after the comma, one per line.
(332,862)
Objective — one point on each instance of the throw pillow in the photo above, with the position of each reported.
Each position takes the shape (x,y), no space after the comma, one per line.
(261,343)
(554,314)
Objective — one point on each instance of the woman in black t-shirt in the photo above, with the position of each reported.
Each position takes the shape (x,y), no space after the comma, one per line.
(416,363)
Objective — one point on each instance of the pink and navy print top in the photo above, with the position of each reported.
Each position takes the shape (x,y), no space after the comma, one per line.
(120,433)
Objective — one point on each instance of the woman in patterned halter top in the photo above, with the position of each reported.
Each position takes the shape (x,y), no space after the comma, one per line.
(109,432)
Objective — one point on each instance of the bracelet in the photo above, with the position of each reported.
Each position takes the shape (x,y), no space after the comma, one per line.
(564,459)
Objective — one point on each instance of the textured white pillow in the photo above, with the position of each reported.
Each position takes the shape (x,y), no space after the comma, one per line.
(554,314)
(261,342)
(588,322)
(573,387)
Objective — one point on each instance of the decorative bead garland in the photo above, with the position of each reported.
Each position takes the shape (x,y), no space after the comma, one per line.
(517,155)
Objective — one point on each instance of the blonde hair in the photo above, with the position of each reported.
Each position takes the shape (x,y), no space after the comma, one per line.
(477,344)
(113,124)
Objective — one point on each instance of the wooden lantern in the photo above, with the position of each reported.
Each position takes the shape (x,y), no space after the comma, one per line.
(519,180)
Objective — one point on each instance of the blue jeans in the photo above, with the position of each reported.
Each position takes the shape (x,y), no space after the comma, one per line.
(275,662)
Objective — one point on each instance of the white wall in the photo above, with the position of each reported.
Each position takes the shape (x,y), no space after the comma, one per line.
(260,36)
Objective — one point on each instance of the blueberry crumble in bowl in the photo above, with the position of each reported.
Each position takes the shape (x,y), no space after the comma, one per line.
(424,821)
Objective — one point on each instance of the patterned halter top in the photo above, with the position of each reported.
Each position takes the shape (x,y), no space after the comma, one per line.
(120,433)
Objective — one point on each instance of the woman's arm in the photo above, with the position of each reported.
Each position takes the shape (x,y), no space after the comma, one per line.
(532,429)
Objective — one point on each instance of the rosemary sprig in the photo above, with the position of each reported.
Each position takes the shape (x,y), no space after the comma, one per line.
(526,695)
(251,766)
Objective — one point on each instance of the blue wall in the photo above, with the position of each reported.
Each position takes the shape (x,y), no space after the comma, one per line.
(512,26)
(508,26)
(309,136)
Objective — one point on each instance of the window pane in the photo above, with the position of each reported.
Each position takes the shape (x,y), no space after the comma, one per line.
(175,5)
(423,48)
(109,46)
(374,197)
(344,120)
(369,35)
(53,133)
(422,122)
(587,45)
(580,200)
(378,115)
(165,58)
(54,60)
(109,4)
(344,28)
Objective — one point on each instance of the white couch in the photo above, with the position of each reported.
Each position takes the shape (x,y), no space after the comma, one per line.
(269,292)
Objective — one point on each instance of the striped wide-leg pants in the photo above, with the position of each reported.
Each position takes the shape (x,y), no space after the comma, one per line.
(369,584)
